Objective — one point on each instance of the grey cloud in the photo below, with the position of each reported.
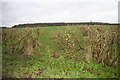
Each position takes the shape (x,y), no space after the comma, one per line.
(119,12)
(58,10)
(0,14)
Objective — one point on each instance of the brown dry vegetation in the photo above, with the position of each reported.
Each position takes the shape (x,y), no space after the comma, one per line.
(80,51)
(100,44)
(23,42)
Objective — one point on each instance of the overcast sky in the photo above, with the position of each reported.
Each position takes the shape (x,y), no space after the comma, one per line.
(34,11)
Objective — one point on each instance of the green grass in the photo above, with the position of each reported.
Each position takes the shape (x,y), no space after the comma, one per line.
(42,65)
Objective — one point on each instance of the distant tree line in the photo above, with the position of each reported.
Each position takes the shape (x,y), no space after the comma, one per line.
(59,24)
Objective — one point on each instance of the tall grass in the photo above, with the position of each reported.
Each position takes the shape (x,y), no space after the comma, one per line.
(61,51)
(20,41)
(96,43)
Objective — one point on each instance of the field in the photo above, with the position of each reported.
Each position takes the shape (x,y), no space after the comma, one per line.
(80,51)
